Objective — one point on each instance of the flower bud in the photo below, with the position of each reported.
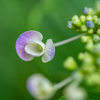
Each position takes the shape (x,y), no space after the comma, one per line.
(89,24)
(89,45)
(91,12)
(88,68)
(89,18)
(83,28)
(85,10)
(74,17)
(93,79)
(88,58)
(70,63)
(69,24)
(90,31)
(40,87)
(96,49)
(84,39)
(82,18)
(94,19)
(96,38)
(81,56)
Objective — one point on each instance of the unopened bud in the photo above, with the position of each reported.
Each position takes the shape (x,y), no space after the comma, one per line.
(89,18)
(70,63)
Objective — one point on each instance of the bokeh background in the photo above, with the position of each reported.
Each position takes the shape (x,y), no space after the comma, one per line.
(49,17)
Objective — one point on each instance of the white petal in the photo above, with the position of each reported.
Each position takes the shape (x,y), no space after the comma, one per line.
(49,51)
(35,49)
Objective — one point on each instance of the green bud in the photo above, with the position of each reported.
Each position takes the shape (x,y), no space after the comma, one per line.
(96,38)
(98,31)
(89,45)
(91,12)
(83,28)
(88,58)
(88,68)
(96,49)
(77,22)
(98,21)
(93,78)
(84,39)
(70,63)
(89,18)
(74,17)
(81,56)
(90,31)
(82,18)
(94,19)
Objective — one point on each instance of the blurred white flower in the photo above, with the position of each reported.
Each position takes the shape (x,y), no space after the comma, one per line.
(73,92)
(40,87)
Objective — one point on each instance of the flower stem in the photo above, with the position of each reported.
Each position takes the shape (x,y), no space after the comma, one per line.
(68,40)
(62,83)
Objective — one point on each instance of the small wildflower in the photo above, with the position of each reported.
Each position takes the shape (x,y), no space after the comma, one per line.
(30,45)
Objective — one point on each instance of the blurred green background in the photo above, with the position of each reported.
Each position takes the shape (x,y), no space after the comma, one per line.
(49,17)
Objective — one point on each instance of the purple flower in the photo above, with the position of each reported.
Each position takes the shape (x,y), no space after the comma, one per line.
(29,45)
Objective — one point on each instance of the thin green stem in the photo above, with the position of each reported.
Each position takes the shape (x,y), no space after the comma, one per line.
(68,40)
(62,83)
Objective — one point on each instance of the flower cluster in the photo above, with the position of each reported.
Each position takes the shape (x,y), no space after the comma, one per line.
(88,22)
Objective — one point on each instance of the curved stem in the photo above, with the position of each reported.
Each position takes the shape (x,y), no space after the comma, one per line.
(62,83)
(68,40)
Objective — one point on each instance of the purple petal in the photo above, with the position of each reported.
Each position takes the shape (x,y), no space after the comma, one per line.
(49,51)
(23,40)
